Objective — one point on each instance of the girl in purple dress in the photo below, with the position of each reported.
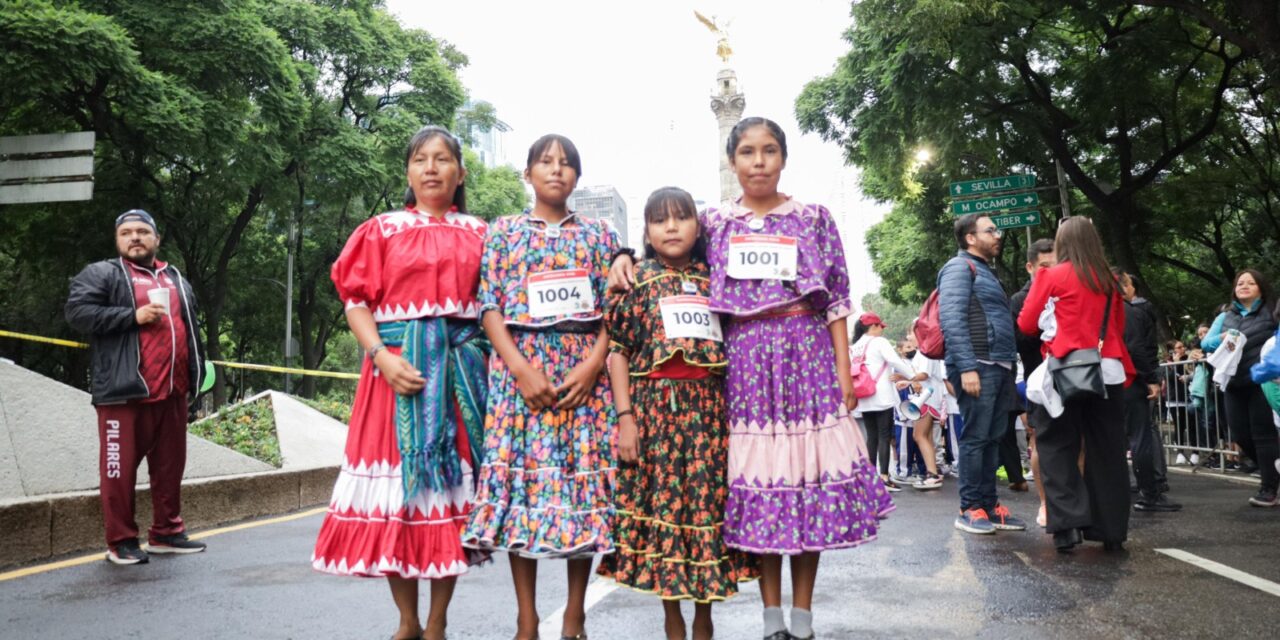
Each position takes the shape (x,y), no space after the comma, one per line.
(799,478)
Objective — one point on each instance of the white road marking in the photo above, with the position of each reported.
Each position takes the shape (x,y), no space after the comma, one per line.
(596,591)
(1261,584)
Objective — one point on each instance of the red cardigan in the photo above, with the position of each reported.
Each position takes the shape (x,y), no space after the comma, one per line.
(1079,313)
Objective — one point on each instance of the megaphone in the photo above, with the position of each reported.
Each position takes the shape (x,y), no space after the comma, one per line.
(910,408)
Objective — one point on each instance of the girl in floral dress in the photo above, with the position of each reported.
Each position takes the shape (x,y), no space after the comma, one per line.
(408,279)
(546,483)
(799,479)
(668,387)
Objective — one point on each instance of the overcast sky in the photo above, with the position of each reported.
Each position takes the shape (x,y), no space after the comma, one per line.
(630,84)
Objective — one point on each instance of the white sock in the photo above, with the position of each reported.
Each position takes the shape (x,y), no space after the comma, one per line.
(801,623)
(773,622)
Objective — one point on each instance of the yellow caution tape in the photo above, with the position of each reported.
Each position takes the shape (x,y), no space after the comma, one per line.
(230,365)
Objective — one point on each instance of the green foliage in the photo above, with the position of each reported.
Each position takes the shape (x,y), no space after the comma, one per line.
(1165,124)
(336,406)
(248,428)
(493,192)
(897,317)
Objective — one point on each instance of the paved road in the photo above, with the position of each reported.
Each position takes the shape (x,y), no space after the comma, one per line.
(922,579)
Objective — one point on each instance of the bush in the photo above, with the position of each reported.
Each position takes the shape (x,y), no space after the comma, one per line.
(248,428)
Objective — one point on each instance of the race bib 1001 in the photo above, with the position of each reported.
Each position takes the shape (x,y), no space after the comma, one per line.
(762,257)
(689,317)
(560,293)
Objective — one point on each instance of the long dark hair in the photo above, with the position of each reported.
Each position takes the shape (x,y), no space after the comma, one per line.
(1078,242)
(422,137)
(859,330)
(1264,287)
(672,201)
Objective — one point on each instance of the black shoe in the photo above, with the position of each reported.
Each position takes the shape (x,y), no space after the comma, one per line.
(126,552)
(1264,498)
(1113,546)
(780,635)
(1066,540)
(177,543)
(1156,503)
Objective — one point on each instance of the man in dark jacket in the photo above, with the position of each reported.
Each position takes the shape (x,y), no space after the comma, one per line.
(1040,255)
(1144,439)
(140,315)
(977,328)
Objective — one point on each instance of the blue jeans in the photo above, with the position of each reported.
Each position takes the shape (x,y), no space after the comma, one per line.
(985,420)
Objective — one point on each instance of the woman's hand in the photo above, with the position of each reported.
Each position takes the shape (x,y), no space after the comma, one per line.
(622,274)
(399,374)
(536,388)
(578,385)
(846,388)
(628,439)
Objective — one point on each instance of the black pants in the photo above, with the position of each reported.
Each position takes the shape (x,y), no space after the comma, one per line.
(1249,417)
(879,436)
(1098,500)
(1010,454)
(1142,443)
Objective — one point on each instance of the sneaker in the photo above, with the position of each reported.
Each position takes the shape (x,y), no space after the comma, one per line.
(890,485)
(1020,487)
(177,543)
(975,521)
(931,481)
(1030,474)
(1042,517)
(1004,521)
(1195,459)
(126,552)
(1158,503)
(1264,498)
(1277,465)
(1181,459)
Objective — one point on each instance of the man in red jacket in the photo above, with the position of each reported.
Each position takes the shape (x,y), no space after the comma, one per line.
(140,316)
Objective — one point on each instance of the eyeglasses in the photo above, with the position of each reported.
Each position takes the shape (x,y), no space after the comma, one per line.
(995,232)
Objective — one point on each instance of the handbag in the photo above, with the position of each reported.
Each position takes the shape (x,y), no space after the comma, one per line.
(1079,373)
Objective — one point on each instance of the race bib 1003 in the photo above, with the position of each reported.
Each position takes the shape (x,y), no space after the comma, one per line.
(560,293)
(689,317)
(762,257)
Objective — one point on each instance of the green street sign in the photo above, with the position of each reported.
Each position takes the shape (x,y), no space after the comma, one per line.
(991,185)
(996,203)
(1018,219)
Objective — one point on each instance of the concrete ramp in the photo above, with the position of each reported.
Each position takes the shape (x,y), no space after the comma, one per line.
(309,439)
(49,440)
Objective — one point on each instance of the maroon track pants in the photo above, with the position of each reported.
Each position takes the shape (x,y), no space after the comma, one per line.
(129,433)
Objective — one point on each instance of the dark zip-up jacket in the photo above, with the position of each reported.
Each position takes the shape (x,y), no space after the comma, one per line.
(102,304)
(1140,339)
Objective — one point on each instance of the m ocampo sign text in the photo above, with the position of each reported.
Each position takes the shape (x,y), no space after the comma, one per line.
(991,185)
(54,167)
(997,203)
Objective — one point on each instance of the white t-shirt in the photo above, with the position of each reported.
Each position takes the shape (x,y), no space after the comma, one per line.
(880,358)
(937,372)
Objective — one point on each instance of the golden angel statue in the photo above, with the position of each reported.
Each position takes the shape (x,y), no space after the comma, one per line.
(722,35)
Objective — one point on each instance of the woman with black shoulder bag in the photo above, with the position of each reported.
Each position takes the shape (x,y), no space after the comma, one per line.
(1090,367)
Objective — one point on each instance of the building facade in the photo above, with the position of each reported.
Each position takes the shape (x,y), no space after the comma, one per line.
(602,202)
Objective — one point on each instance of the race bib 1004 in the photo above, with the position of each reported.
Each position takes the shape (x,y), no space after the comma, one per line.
(560,293)
(762,257)
(689,317)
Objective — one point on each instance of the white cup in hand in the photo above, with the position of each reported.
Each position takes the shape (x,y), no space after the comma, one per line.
(159,296)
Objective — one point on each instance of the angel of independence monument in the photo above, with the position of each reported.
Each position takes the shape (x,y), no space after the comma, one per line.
(727,103)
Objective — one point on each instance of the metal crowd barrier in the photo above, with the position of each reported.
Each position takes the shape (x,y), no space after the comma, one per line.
(1192,418)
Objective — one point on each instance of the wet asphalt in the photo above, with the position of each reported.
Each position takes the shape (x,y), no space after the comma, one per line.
(921,579)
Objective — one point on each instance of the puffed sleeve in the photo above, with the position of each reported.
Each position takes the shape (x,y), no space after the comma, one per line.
(837,276)
(605,249)
(357,273)
(493,269)
(620,322)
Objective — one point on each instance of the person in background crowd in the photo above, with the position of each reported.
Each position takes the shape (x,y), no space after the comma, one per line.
(1176,378)
(931,375)
(871,347)
(1248,414)
(140,315)
(977,327)
(1040,255)
(1088,309)
(1144,438)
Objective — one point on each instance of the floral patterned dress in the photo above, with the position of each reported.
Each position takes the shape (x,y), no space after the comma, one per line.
(547,480)
(799,478)
(404,266)
(670,505)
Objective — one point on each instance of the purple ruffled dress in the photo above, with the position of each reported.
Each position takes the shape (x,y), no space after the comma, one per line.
(799,475)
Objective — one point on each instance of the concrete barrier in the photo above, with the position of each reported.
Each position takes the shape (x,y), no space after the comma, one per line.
(40,528)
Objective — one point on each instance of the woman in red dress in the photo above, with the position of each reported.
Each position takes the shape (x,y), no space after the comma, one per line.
(408,279)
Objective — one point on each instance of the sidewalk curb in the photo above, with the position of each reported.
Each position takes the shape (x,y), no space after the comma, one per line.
(1246,480)
(42,527)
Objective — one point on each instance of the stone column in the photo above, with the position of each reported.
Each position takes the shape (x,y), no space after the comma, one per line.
(727,104)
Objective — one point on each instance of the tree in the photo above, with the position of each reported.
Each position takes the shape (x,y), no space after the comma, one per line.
(1128,99)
